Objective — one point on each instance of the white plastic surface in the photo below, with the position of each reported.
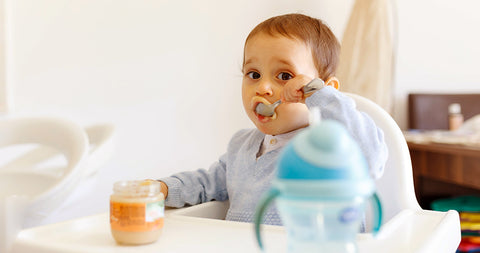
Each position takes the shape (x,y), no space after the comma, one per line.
(38,181)
(409,231)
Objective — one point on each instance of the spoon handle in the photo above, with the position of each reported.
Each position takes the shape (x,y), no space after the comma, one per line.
(312,86)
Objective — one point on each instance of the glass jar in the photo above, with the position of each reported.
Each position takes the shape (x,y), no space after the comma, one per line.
(455,117)
(137,211)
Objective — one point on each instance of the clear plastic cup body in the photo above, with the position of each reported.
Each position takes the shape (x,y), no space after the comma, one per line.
(322,226)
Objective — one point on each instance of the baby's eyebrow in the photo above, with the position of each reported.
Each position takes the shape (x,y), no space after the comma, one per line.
(248,61)
(286,62)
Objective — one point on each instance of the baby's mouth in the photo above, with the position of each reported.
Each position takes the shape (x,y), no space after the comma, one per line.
(265,119)
(259,100)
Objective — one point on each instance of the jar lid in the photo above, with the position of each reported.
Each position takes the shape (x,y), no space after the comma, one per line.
(137,188)
(454,108)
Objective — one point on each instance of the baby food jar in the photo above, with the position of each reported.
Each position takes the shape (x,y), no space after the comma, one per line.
(136,211)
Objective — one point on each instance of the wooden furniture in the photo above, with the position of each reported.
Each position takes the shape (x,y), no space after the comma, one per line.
(444,170)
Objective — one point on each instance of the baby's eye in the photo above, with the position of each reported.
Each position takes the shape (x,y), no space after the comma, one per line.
(253,75)
(284,76)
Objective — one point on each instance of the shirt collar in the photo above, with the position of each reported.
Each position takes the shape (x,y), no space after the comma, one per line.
(274,142)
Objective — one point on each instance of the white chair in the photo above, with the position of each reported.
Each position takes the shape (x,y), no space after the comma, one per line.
(30,187)
(404,221)
(26,192)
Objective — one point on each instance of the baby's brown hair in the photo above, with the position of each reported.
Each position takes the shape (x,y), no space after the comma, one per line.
(313,32)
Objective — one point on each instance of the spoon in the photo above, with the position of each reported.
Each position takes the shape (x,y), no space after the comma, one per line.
(269,110)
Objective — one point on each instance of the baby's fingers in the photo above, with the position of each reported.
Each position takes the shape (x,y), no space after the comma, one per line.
(291,95)
(292,91)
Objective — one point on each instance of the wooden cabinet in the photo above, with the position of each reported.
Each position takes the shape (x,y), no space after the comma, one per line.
(444,170)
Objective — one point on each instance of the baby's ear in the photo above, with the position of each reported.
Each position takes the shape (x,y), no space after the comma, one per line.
(333,81)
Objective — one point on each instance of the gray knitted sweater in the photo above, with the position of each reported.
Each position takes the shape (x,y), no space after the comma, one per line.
(242,178)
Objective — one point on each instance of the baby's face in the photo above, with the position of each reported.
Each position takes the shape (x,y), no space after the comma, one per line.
(270,61)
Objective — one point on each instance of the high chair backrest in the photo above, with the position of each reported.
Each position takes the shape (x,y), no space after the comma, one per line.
(395,188)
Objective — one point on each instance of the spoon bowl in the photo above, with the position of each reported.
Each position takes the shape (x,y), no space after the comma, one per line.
(267,110)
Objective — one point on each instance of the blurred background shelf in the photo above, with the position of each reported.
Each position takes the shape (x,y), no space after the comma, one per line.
(444,170)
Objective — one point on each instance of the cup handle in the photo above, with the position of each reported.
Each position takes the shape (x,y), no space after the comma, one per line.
(377,209)
(264,202)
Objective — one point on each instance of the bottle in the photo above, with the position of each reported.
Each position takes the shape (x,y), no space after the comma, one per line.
(455,117)
(137,211)
(321,188)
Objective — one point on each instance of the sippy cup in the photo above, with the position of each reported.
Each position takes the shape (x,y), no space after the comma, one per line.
(321,189)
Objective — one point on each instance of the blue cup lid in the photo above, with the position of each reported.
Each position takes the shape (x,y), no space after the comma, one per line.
(323,151)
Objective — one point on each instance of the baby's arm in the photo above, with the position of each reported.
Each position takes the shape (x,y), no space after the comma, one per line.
(194,187)
(338,106)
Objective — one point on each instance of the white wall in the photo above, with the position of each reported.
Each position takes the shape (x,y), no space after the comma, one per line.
(167,73)
(438,49)
(4,98)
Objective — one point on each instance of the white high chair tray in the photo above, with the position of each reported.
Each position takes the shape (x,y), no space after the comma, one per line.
(409,231)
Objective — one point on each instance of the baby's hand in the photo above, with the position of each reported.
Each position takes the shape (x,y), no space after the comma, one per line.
(164,189)
(292,91)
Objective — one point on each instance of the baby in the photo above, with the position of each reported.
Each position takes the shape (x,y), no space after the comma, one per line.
(281,55)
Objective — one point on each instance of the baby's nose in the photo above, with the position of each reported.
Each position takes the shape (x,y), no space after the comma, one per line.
(264,88)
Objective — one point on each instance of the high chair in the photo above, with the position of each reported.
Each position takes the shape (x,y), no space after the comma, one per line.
(395,189)
(406,227)
(51,157)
